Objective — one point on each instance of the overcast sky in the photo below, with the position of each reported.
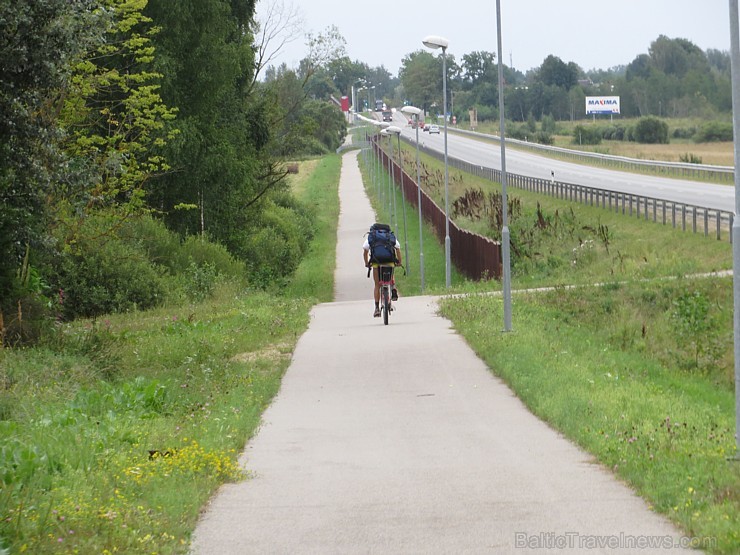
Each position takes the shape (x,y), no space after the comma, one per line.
(595,34)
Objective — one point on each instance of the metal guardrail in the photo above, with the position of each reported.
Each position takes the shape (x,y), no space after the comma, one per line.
(680,169)
(686,216)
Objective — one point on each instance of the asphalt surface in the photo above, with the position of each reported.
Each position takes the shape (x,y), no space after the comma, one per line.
(474,151)
(397,439)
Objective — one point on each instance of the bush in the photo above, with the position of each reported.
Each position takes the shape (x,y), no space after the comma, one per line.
(518,132)
(650,130)
(165,248)
(714,131)
(111,277)
(586,135)
(684,132)
(274,251)
(543,138)
(548,125)
(614,133)
(199,281)
(690,158)
(202,252)
(158,243)
(487,113)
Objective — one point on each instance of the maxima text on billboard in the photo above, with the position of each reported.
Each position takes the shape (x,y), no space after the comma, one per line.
(602,105)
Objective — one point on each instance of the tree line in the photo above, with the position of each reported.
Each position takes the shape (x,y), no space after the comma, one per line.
(675,78)
(129,127)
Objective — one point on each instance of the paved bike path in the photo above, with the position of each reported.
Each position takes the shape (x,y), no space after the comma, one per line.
(397,439)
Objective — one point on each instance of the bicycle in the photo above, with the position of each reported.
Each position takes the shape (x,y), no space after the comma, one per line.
(387,282)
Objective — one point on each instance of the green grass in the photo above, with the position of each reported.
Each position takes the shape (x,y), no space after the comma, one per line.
(310,280)
(608,368)
(117,432)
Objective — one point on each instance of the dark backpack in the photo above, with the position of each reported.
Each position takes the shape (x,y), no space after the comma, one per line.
(382,243)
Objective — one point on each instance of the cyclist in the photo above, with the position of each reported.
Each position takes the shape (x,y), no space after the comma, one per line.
(376,291)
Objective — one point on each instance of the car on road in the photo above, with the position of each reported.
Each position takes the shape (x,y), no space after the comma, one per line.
(434,129)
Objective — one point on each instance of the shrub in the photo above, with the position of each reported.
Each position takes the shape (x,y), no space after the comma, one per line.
(198,250)
(690,158)
(112,277)
(586,135)
(165,248)
(548,125)
(487,113)
(684,132)
(650,130)
(199,281)
(614,133)
(158,243)
(543,138)
(518,132)
(274,251)
(714,131)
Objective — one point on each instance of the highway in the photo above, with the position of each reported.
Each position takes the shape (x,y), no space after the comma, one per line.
(721,197)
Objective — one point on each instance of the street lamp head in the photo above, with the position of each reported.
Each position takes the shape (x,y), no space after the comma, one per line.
(435,41)
(413,110)
(393,129)
(384,132)
(384,124)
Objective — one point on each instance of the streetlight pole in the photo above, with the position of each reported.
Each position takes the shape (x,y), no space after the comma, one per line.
(391,196)
(505,229)
(397,132)
(433,42)
(383,126)
(415,112)
(735,65)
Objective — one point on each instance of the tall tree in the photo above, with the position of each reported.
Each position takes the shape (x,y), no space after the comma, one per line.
(421,77)
(478,65)
(219,160)
(37,41)
(554,71)
(113,117)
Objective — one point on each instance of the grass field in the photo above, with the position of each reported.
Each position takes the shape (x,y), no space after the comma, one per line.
(720,153)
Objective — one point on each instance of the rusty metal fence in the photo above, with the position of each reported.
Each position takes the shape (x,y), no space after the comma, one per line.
(475,256)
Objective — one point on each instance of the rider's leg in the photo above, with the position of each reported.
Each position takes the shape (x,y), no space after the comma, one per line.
(376,292)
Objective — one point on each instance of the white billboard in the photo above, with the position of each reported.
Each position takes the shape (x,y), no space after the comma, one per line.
(602,105)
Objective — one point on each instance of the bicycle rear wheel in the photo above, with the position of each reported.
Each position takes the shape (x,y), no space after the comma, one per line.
(386,304)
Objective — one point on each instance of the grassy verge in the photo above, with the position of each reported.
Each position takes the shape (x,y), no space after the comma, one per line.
(611,369)
(113,438)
